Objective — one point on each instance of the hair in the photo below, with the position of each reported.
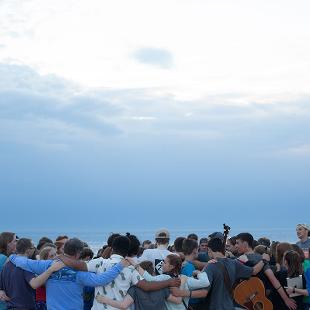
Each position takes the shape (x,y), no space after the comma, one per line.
(294,266)
(232,240)
(264,241)
(5,239)
(147,266)
(59,243)
(215,245)
(273,249)
(134,245)
(86,252)
(23,245)
(301,253)
(44,253)
(42,242)
(178,244)
(121,245)
(51,245)
(203,240)
(261,249)
(281,248)
(73,246)
(111,239)
(246,237)
(188,246)
(193,237)
(145,242)
(176,262)
(162,240)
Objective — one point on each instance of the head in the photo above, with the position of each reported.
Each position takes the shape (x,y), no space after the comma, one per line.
(60,243)
(261,249)
(73,247)
(147,266)
(178,242)
(193,237)
(302,231)
(244,242)
(47,252)
(301,253)
(282,247)
(291,261)
(216,234)
(190,248)
(172,264)
(134,245)
(162,237)
(231,245)
(7,243)
(86,254)
(42,242)
(111,239)
(215,247)
(121,246)
(203,245)
(264,241)
(146,244)
(25,247)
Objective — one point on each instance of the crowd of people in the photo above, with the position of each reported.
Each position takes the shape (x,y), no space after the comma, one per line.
(191,273)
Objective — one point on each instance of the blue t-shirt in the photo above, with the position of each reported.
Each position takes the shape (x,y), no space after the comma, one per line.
(188,269)
(3,259)
(64,288)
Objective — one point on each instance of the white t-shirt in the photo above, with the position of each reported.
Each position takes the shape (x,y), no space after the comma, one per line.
(156,256)
(118,288)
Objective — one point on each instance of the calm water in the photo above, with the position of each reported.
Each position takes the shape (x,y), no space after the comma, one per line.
(97,239)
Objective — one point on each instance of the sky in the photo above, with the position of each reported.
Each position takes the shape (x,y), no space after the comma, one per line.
(148,114)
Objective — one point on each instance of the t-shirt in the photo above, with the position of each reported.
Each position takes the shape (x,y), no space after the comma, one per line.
(203,257)
(149,300)
(188,269)
(156,256)
(304,246)
(219,297)
(15,282)
(3,260)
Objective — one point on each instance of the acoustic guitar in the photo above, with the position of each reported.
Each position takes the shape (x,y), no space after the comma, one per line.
(251,295)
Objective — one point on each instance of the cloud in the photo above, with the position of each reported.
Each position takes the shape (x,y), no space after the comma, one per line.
(154,56)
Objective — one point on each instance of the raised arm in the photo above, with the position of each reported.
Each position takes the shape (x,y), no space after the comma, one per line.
(34,266)
(125,304)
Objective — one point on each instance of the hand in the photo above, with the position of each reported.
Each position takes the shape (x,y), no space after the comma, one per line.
(131,261)
(289,290)
(291,304)
(3,296)
(266,257)
(57,265)
(177,292)
(174,282)
(101,299)
(196,273)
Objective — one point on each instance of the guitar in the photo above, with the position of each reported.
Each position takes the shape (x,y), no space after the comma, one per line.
(251,295)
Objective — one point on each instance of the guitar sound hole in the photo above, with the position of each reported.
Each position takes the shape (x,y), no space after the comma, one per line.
(259,306)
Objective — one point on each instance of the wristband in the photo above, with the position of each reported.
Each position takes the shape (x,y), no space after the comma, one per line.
(279,287)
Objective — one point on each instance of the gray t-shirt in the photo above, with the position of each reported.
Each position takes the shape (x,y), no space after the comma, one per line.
(149,300)
(219,298)
(304,245)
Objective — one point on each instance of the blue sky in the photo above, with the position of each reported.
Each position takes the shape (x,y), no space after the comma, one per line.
(160,125)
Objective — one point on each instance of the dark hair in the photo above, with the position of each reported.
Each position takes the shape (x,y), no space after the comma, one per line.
(281,248)
(294,266)
(51,245)
(42,241)
(188,246)
(203,240)
(246,237)
(121,245)
(23,245)
(86,252)
(264,241)
(5,239)
(176,262)
(73,246)
(178,244)
(146,242)
(134,245)
(147,266)
(261,249)
(162,240)
(192,236)
(301,253)
(111,239)
(232,240)
(215,245)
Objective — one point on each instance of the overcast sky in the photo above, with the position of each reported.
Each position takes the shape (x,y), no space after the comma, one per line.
(176,113)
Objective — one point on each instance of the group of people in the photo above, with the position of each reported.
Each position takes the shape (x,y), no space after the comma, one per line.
(191,273)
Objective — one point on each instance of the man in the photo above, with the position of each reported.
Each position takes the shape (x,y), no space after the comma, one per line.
(158,255)
(129,276)
(64,289)
(19,285)
(303,231)
(221,268)
(244,245)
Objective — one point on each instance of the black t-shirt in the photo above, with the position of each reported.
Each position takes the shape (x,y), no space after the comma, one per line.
(15,282)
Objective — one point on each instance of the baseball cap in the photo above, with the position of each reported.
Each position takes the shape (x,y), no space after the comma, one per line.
(162,234)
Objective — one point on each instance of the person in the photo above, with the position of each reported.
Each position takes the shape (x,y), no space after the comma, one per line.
(42,242)
(157,256)
(64,289)
(134,247)
(146,244)
(231,247)
(203,250)
(219,292)
(142,300)
(303,231)
(172,269)
(7,247)
(60,243)
(244,245)
(264,241)
(193,237)
(118,288)
(19,285)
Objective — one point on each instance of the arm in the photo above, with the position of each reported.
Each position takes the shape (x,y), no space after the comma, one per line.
(293,290)
(175,300)
(258,267)
(187,293)
(101,279)
(73,263)
(155,286)
(34,266)
(42,278)
(201,282)
(199,265)
(128,301)
(148,277)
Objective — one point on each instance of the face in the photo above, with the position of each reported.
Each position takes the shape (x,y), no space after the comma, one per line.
(167,267)
(30,252)
(52,254)
(203,247)
(230,247)
(241,246)
(301,232)
(12,246)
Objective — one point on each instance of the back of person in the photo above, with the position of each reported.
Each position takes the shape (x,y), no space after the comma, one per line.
(15,282)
